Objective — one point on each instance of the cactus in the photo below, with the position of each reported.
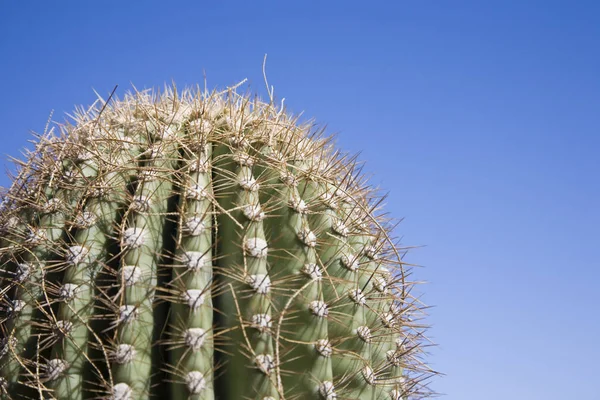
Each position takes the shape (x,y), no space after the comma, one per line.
(201,245)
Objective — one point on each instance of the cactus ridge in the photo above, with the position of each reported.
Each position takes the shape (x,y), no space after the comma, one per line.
(201,245)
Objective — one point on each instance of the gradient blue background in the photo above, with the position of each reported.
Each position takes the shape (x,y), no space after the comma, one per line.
(481,119)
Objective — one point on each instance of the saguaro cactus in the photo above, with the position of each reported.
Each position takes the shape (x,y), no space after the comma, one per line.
(200,246)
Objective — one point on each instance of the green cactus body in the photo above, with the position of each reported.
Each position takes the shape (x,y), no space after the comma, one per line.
(200,246)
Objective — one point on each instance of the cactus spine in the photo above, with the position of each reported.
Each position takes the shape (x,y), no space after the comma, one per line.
(200,246)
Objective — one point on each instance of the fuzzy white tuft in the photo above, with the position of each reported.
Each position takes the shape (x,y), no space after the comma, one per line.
(194,338)
(318,308)
(340,228)
(55,368)
(250,184)
(380,284)
(312,271)
(256,247)
(369,375)
(261,283)
(357,296)
(388,320)
(288,179)
(199,165)
(140,203)
(127,313)
(364,333)
(194,226)
(308,237)
(253,212)
(130,275)
(243,159)
(16,306)
(52,205)
(196,192)
(323,347)
(194,298)
(148,175)
(298,205)
(85,220)
(265,363)
(134,237)
(349,261)
(196,260)
(125,353)
(262,322)
(36,236)
(195,382)
(77,254)
(393,357)
(121,391)
(23,271)
(62,328)
(371,252)
(327,391)
(68,291)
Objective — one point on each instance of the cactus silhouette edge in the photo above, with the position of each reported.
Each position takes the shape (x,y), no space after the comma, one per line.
(201,245)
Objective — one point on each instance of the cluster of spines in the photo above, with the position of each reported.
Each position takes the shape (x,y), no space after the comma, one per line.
(279,269)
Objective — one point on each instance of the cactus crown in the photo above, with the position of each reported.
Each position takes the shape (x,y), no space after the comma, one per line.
(204,246)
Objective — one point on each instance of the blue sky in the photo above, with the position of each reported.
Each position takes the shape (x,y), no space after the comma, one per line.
(480,119)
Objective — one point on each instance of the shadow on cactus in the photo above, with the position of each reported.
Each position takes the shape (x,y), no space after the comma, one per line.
(201,246)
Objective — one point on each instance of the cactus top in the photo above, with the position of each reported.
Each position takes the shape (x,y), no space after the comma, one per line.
(201,245)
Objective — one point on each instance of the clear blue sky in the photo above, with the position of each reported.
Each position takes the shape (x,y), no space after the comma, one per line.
(480,118)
